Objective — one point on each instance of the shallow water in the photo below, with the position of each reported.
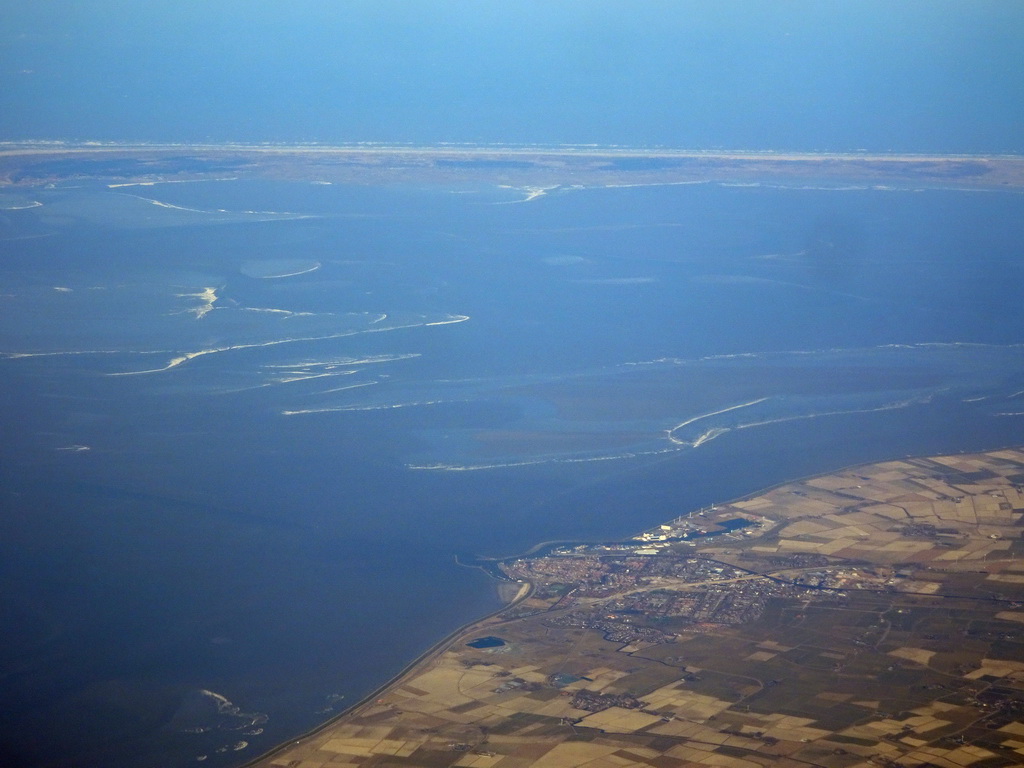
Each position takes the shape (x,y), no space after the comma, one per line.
(227,471)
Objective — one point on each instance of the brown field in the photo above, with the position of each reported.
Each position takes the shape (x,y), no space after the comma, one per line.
(874,619)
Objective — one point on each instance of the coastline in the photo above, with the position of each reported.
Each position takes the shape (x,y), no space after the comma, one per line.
(527,589)
(423,660)
(732,500)
(31,164)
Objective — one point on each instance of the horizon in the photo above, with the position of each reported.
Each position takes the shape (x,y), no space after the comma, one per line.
(931,77)
(442,146)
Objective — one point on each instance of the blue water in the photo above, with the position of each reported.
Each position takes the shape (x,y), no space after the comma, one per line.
(270,513)
(917,76)
(275,518)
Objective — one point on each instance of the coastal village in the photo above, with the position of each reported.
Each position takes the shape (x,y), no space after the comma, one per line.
(871,617)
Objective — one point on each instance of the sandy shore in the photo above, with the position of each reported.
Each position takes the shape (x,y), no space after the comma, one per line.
(535,170)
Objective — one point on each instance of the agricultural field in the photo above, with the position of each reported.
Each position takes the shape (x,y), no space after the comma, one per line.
(867,618)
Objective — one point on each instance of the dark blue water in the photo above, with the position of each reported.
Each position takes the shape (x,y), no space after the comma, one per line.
(262,497)
(918,76)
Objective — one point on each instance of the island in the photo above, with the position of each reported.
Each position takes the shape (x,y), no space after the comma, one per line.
(870,617)
(534,169)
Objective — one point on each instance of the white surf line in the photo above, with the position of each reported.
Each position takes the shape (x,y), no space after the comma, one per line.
(340,389)
(669,433)
(651,184)
(382,406)
(265,309)
(328,409)
(532,193)
(286,380)
(710,435)
(312,370)
(915,347)
(168,181)
(304,376)
(166,205)
(290,214)
(344,362)
(208,297)
(314,268)
(451,320)
(301,377)
(162,204)
(182,359)
(270,310)
(888,407)
(18,355)
(539,461)
(33,204)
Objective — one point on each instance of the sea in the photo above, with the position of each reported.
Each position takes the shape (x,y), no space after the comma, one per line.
(917,76)
(250,426)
